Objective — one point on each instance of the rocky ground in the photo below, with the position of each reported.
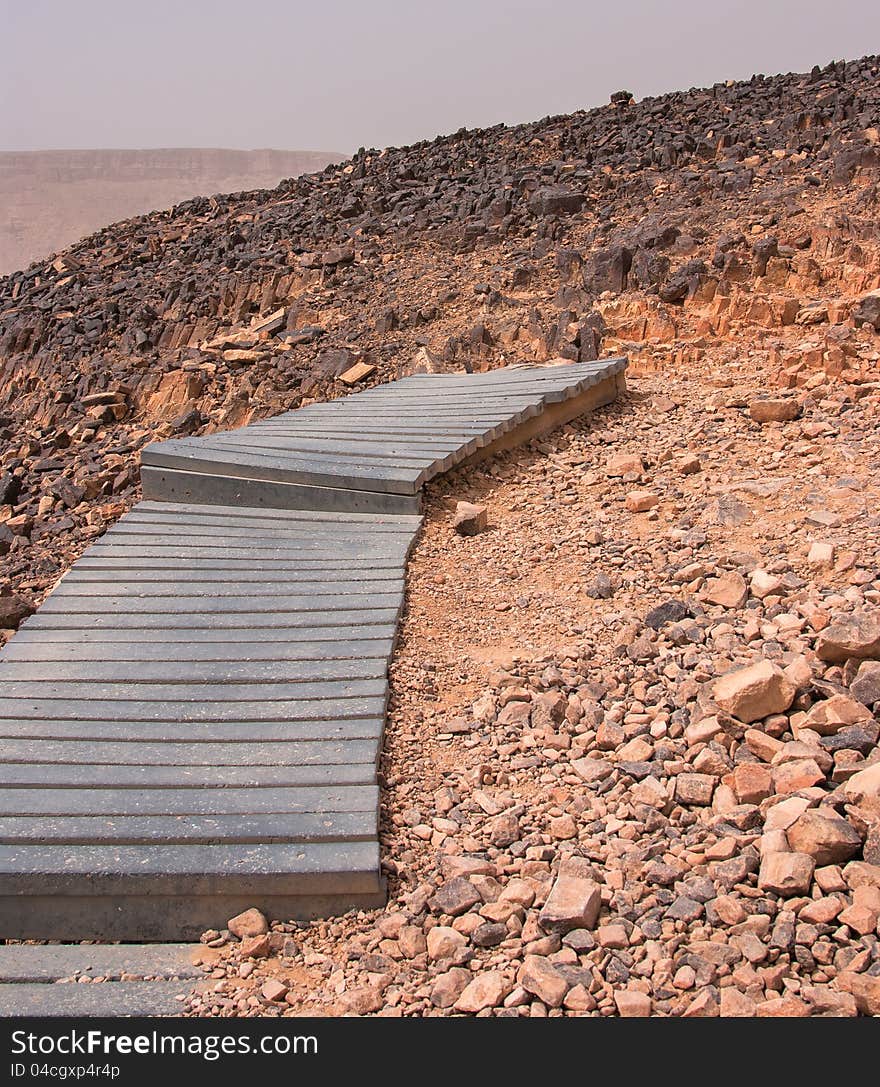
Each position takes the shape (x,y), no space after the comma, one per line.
(631,762)
(631,765)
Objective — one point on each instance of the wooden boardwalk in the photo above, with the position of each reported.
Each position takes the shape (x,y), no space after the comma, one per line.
(191,722)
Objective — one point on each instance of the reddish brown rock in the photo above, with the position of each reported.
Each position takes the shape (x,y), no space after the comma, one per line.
(823,835)
(249,923)
(778,410)
(757,691)
(856,635)
(786,874)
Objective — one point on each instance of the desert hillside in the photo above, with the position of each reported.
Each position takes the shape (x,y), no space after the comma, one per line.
(631,762)
(51,199)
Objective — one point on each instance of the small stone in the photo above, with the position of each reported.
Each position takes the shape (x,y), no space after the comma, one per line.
(255,947)
(762,584)
(562,828)
(487,990)
(443,942)
(821,554)
(671,611)
(694,788)
(624,464)
(864,987)
(689,466)
(631,1004)
(792,777)
(448,987)
(612,936)
(864,786)
(729,591)
(504,830)
(835,713)
(754,692)
(777,410)
(249,923)
(685,909)
(641,501)
(363,1000)
(470,519)
(454,897)
(579,999)
(825,836)
(866,686)
(704,1006)
(860,919)
(736,1005)
(489,935)
(12,610)
(411,941)
(786,1007)
(752,782)
(574,902)
(786,874)
(540,977)
(274,990)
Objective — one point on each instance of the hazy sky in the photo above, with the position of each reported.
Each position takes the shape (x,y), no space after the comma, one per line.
(338,74)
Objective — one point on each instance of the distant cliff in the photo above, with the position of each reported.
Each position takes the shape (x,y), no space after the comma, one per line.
(51,199)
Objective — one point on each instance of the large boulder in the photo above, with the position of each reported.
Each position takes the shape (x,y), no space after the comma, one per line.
(825,836)
(867,311)
(607,270)
(856,635)
(754,692)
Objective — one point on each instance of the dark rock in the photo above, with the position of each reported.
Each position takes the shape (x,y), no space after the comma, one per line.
(671,611)
(454,897)
(556,200)
(607,270)
(12,610)
(10,489)
(867,311)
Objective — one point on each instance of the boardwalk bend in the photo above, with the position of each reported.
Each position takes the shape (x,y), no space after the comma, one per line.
(191,722)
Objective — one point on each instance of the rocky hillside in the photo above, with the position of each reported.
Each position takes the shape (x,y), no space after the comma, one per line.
(631,763)
(741,217)
(53,198)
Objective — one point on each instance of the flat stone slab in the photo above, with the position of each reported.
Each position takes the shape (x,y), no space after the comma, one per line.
(190,724)
(52,962)
(98,999)
(390,439)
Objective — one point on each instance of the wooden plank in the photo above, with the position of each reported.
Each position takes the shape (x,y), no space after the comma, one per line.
(89,587)
(270,673)
(302,603)
(184,691)
(242,729)
(307,654)
(51,962)
(88,776)
(168,753)
(294,517)
(242,488)
(191,869)
(197,801)
(206,829)
(113,998)
(352,619)
(184,711)
(348,473)
(135,566)
(159,635)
